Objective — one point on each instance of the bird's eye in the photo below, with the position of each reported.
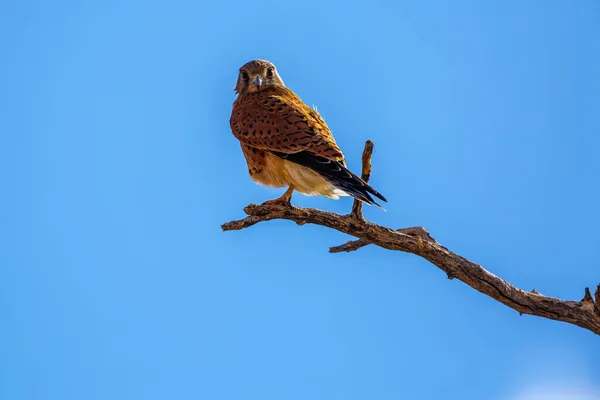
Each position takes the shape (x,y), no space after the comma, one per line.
(244,75)
(270,72)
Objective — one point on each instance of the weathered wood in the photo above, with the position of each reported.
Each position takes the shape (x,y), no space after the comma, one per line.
(416,240)
(366,175)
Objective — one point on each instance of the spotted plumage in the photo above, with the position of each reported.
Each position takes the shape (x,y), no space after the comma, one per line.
(287,143)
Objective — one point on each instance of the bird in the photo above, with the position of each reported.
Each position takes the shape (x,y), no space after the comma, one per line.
(286,143)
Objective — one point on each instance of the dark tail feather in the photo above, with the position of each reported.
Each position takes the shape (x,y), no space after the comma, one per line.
(336,174)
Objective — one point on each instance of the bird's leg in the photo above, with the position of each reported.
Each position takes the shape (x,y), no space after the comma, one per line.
(284,200)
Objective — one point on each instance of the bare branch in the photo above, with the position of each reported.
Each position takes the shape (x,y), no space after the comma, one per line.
(366,175)
(587,296)
(353,245)
(416,240)
(241,224)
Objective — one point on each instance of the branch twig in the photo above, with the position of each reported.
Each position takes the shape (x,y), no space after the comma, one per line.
(366,175)
(352,245)
(416,240)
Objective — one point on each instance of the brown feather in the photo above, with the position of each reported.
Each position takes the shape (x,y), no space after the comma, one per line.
(276,119)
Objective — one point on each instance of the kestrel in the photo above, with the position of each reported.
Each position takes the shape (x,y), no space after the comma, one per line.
(287,143)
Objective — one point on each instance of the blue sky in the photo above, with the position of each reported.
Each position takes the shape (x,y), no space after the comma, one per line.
(118,167)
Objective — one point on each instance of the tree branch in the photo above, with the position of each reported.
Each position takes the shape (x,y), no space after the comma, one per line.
(366,175)
(416,240)
(353,245)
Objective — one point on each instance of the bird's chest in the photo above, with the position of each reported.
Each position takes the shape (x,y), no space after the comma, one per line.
(270,170)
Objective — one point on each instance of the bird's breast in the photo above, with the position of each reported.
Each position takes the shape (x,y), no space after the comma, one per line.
(273,171)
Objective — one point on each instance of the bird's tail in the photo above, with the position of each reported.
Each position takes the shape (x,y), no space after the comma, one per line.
(337,174)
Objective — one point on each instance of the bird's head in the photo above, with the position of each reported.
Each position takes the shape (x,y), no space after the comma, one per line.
(257,75)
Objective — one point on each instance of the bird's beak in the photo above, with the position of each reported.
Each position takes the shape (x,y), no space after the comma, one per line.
(258,82)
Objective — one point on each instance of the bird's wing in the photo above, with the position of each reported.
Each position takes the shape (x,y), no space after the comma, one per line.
(280,122)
